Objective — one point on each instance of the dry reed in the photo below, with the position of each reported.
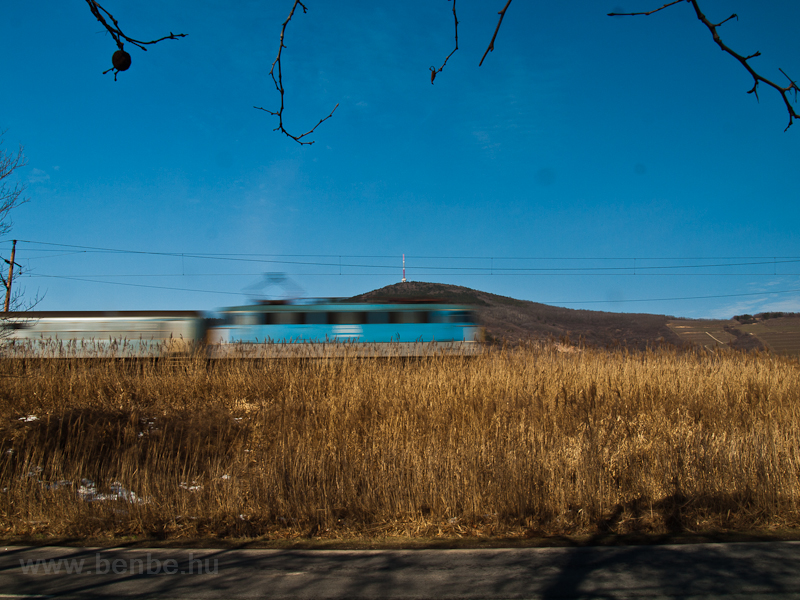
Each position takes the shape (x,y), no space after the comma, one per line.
(529,441)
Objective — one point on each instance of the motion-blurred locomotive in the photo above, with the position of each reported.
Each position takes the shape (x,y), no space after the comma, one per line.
(304,328)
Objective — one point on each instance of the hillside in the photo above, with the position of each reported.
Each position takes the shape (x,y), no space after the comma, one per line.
(521,320)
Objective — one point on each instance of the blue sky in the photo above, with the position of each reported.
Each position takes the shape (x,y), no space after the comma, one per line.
(591,162)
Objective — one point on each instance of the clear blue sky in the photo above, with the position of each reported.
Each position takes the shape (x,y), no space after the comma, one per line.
(583,147)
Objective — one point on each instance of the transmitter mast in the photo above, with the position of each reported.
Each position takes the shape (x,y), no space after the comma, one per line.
(404,269)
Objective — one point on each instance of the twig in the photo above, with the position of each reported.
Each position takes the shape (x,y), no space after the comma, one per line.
(10,196)
(645,13)
(116,32)
(434,70)
(502,14)
(733,16)
(118,36)
(279,85)
(744,60)
(297,138)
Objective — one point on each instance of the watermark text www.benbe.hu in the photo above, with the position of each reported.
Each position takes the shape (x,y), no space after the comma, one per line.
(148,565)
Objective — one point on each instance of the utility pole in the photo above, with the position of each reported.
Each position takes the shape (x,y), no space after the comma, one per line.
(10,275)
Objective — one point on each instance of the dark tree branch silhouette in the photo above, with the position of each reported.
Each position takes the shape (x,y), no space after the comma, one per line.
(11,196)
(277,74)
(502,14)
(744,60)
(648,13)
(278,81)
(121,59)
(434,70)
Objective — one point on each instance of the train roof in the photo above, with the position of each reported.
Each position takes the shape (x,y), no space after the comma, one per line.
(103,314)
(345,306)
(342,300)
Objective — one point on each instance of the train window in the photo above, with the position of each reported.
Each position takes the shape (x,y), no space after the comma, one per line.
(438,316)
(463,316)
(350,317)
(410,316)
(377,317)
(316,318)
(284,318)
(246,319)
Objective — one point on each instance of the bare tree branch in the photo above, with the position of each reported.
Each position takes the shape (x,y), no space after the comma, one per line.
(278,81)
(744,60)
(17,304)
(733,16)
(116,32)
(502,14)
(10,196)
(645,13)
(122,59)
(434,70)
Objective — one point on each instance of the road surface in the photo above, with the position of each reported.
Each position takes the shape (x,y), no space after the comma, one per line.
(738,570)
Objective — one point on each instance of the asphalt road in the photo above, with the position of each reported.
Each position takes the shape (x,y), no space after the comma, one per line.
(740,570)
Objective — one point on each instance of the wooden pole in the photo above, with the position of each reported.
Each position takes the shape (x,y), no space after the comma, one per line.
(10,275)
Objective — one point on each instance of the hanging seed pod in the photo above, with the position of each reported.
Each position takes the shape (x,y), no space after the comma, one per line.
(121,60)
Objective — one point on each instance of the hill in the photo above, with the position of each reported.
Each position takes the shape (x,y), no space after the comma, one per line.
(521,320)
(514,321)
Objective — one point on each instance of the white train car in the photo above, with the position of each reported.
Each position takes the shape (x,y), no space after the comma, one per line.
(85,333)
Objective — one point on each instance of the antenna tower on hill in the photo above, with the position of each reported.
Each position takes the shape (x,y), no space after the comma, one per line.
(404,269)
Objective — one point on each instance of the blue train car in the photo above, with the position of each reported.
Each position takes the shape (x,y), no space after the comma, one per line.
(337,322)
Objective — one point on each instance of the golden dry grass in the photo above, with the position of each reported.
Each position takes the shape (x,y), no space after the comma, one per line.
(522,442)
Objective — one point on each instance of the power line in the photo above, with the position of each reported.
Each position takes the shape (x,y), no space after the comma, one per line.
(141,285)
(638,268)
(551,302)
(766,259)
(394,273)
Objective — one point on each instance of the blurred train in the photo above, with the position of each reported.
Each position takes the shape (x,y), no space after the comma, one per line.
(269,329)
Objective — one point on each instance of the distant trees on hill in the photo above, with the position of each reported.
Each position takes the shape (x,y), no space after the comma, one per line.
(745,319)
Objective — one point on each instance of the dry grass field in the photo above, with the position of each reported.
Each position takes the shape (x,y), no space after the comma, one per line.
(521,442)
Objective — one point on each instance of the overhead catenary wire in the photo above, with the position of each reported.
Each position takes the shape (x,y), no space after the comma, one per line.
(140,285)
(279,259)
(550,302)
(767,259)
(34,275)
(340,268)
